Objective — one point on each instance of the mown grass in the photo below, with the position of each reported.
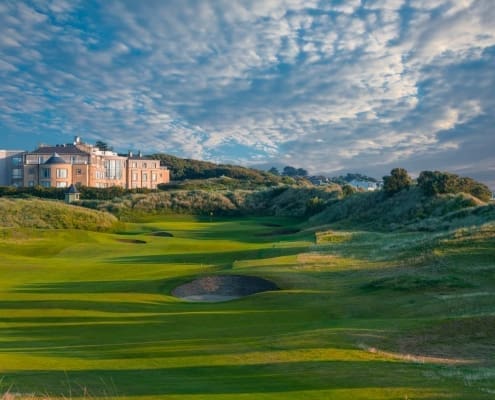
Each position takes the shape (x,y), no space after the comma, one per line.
(361,315)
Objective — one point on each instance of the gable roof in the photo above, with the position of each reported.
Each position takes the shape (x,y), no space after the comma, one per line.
(72,189)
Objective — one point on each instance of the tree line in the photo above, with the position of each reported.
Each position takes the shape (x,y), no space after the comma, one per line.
(434,183)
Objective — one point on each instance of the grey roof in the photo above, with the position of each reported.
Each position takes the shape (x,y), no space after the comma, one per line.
(72,189)
(67,149)
(55,159)
(145,158)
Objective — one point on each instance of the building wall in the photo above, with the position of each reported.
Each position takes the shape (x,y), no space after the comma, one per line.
(81,174)
(55,175)
(146,173)
(11,167)
(31,174)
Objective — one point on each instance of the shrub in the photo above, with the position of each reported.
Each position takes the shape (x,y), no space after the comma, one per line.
(396,181)
(436,182)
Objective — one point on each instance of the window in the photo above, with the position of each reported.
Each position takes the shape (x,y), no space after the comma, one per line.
(61,173)
(134,176)
(144,177)
(134,165)
(78,171)
(31,183)
(113,169)
(61,184)
(153,177)
(144,165)
(17,173)
(45,183)
(17,161)
(31,171)
(46,173)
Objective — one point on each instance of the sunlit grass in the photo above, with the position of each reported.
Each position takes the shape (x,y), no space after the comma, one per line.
(359,314)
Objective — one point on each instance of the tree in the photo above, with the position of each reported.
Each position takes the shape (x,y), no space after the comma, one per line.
(274,171)
(103,146)
(289,171)
(315,205)
(301,172)
(398,180)
(436,182)
(348,190)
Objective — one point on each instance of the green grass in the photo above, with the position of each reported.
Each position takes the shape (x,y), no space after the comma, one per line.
(361,315)
(50,214)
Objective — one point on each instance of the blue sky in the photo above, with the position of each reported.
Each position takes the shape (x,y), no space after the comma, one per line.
(330,86)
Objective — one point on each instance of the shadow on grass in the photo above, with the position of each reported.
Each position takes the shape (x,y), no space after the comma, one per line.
(251,230)
(215,258)
(283,377)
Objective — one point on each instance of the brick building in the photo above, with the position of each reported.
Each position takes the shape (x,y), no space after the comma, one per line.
(80,163)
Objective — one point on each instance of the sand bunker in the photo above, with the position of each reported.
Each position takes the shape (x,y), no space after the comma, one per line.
(222,288)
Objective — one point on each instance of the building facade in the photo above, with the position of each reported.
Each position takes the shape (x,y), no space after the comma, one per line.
(365,185)
(83,164)
(11,167)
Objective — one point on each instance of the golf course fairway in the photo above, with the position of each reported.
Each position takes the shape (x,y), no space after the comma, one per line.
(357,315)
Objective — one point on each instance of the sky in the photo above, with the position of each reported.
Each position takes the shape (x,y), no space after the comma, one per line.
(329,86)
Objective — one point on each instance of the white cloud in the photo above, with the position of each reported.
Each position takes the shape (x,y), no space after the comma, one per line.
(292,79)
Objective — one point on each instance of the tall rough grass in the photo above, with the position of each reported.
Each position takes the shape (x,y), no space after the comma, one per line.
(280,201)
(409,209)
(46,214)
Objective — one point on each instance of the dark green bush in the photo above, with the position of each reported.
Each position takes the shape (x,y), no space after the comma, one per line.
(397,181)
(436,182)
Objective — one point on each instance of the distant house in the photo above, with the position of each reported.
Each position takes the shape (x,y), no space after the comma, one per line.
(72,194)
(365,185)
(319,180)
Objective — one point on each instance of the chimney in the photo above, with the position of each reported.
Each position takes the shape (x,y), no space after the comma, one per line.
(77,140)
(140,154)
(130,153)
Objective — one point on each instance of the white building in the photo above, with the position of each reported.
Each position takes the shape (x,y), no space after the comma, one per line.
(365,185)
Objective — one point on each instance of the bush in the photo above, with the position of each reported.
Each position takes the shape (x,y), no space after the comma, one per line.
(436,182)
(397,180)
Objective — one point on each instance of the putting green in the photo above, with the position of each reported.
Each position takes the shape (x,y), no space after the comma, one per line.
(359,315)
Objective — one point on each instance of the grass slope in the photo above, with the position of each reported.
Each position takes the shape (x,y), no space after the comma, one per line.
(407,210)
(294,201)
(362,315)
(36,213)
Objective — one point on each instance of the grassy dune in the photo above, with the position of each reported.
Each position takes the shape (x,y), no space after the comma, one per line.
(362,315)
(48,214)
(407,210)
